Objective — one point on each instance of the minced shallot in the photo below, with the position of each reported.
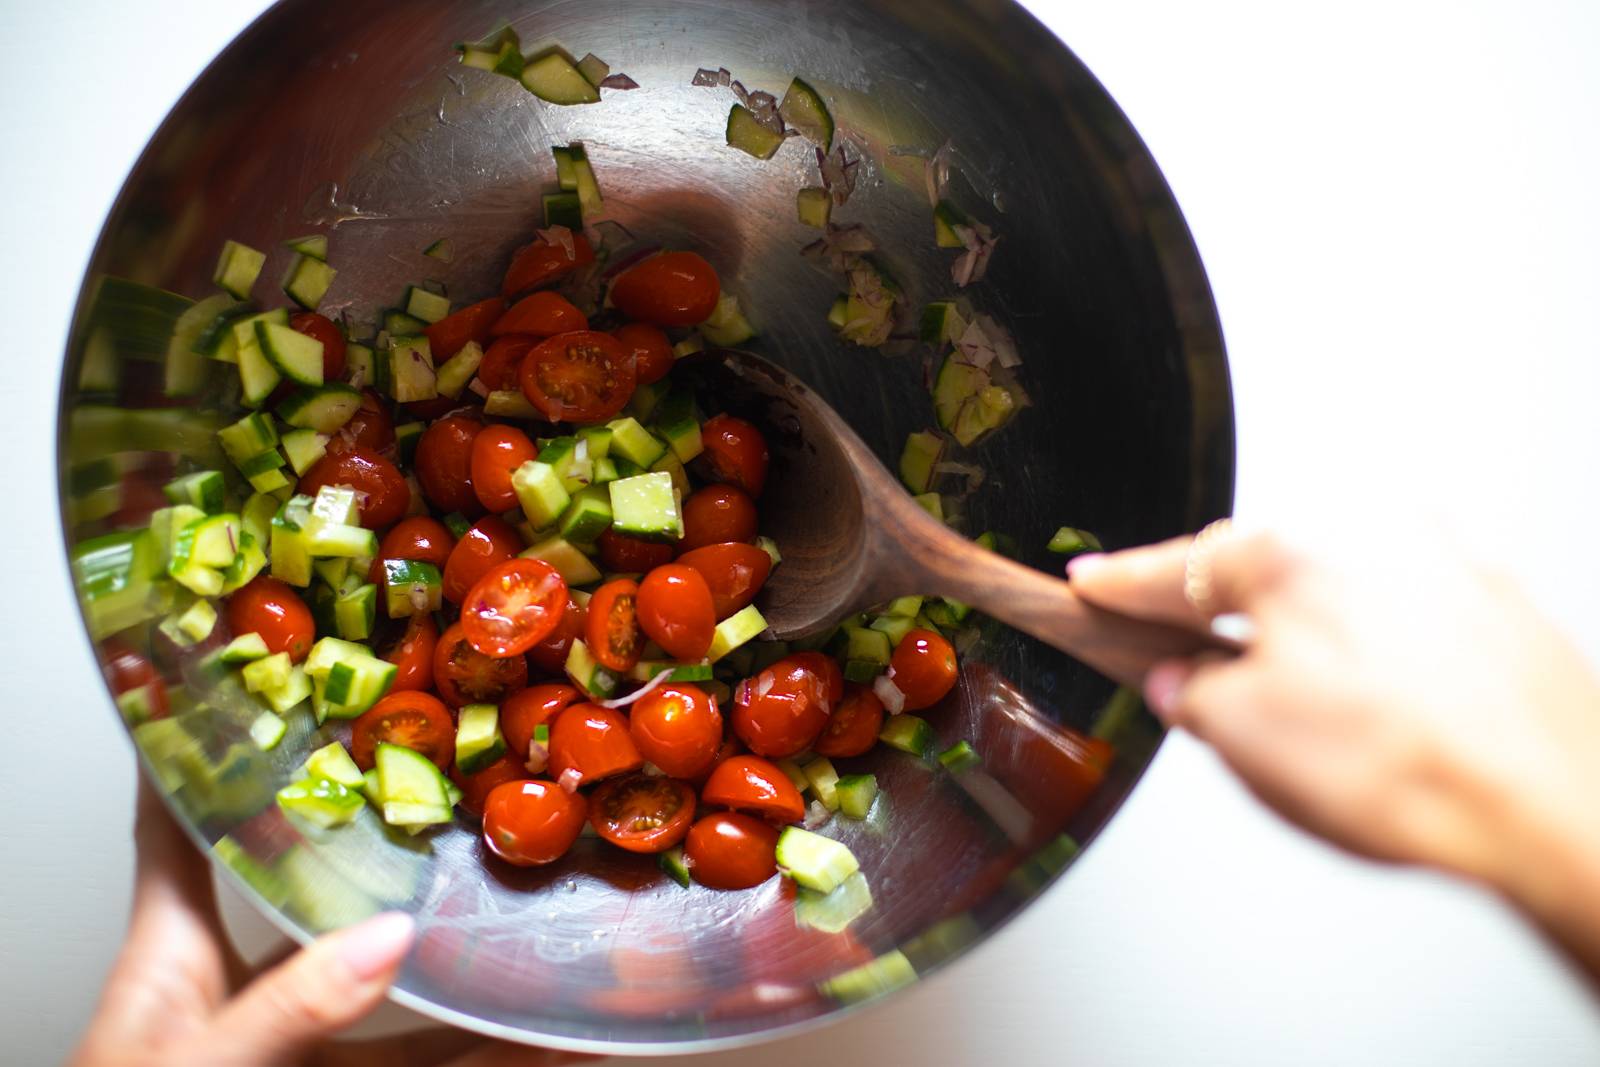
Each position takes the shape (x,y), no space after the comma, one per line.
(648,687)
(894,701)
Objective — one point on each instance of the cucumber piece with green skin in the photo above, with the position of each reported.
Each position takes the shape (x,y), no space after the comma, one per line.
(643,403)
(571,462)
(360,365)
(566,157)
(885,974)
(244,329)
(245,649)
(428,306)
(683,438)
(814,861)
(453,376)
(406,437)
(411,372)
(314,245)
(209,542)
(966,403)
(283,698)
(870,646)
(1068,541)
(931,503)
(946,614)
(813,206)
(554,79)
(307,281)
(742,626)
(568,560)
(605,470)
(266,462)
(333,763)
(324,409)
(250,561)
(940,323)
(597,439)
(358,681)
(587,674)
(216,340)
(823,780)
(594,69)
(332,572)
(257,376)
(749,136)
(946,217)
(510,404)
(256,517)
(114,577)
(289,548)
(442,249)
(791,770)
(959,757)
(903,607)
(727,325)
(802,108)
(563,209)
(672,863)
(205,490)
(647,506)
(587,516)
(326,539)
(165,523)
(921,453)
(356,612)
(411,587)
(398,323)
(646,670)
(770,547)
(832,913)
(856,793)
(458,524)
(295,355)
(238,267)
(632,442)
(908,733)
(304,447)
(371,787)
(895,627)
(185,370)
(248,437)
(269,672)
(540,492)
(198,620)
(590,202)
(267,730)
(479,741)
(335,505)
(321,802)
(271,481)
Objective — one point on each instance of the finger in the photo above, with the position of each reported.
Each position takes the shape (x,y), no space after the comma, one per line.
(330,984)
(1205,695)
(1150,582)
(440,1047)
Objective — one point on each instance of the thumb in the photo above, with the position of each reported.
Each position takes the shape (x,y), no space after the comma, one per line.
(320,990)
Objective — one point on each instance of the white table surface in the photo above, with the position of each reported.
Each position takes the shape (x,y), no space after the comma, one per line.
(1396,206)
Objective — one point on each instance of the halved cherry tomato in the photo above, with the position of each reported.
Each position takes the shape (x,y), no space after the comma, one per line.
(513,607)
(735,453)
(275,611)
(641,813)
(450,334)
(541,314)
(677,727)
(676,611)
(551,654)
(497,452)
(731,747)
(652,352)
(490,542)
(717,514)
(370,427)
(532,707)
(750,783)
(581,376)
(923,667)
(735,573)
(502,362)
(541,263)
(669,289)
(413,654)
(623,554)
(321,328)
(475,788)
(593,742)
(387,498)
(463,675)
(531,823)
(444,464)
(731,851)
(853,727)
(411,719)
(419,538)
(127,670)
(781,711)
(612,632)
(825,667)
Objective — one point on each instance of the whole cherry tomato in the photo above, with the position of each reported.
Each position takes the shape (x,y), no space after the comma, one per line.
(541,314)
(513,607)
(550,655)
(735,453)
(490,542)
(677,727)
(734,572)
(419,538)
(444,464)
(731,851)
(622,554)
(411,719)
(669,289)
(450,334)
(463,675)
(583,376)
(370,427)
(780,711)
(542,262)
(386,496)
(825,667)
(322,328)
(612,631)
(475,788)
(497,452)
(533,706)
(853,727)
(652,352)
(715,515)
(591,742)
(531,823)
(923,667)
(676,611)
(752,784)
(413,654)
(641,813)
(502,362)
(274,610)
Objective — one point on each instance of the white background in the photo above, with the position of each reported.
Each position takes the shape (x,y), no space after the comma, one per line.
(1396,206)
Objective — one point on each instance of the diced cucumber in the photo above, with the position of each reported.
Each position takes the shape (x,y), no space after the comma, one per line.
(314,245)
(814,861)
(265,463)
(870,646)
(113,575)
(238,268)
(646,670)
(832,913)
(966,403)
(895,627)
(573,566)
(296,688)
(250,561)
(185,370)
(588,516)
(428,306)
(397,323)
(946,217)
(671,861)
(744,625)
(770,547)
(458,370)
(324,409)
(216,340)
(802,108)
(594,69)
(946,614)
(883,975)
(605,470)
(357,682)
(411,374)
(406,436)
(839,312)
(321,802)
(244,649)
(335,540)
(587,674)
(250,436)
(566,157)
(727,325)
(458,524)
(597,439)
(356,612)
(332,763)
(1068,541)
(371,787)
(791,770)
(479,741)
(905,607)
(290,549)
(856,793)
(307,281)
(823,781)
(442,249)
(634,443)
(411,587)
(510,404)
(748,135)
(588,189)
(814,205)
(922,451)
(959,757)
(646,506)
(553,78)
(931,503)
(257,515)
(643,403)
(198,620)
(304,447)
(200,551)
(683,437)
(908,733)
(335,505)
(688,346)
(267,729)
(333,572)
(244,329)
(257,376)
(563,209)
(205,490)
(295,355)
(941,323)
(269,672)
(539,490)
(361,366)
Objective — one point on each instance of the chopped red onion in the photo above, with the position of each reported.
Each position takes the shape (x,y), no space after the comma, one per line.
(724,76)
(477,387)
(650,770)
(538,758)
(1009,814)
(971,265)
(973,474)
(741,692)
(894,701)
(816,815)
(936,173)
(358,377)
(622,702)
(418,595)
(618,81)
(741,92)
(570,779)
(559,236)
(704,77)
(838,173)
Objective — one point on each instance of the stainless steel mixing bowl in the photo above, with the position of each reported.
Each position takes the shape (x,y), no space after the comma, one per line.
(353,119)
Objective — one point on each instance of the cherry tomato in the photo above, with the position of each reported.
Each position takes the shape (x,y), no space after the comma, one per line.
(923,667)
(734,573)
(750,783)
(541,263)
(531,823)
(450,334)
(779,712)
(387,496)
(321,328)
(853,727)
(641,813)
(735,453)
(513,607)
(550,655)
(730,851)
(824,667)
(444,464)
(463,675)
(438,408)
(592,741)
(413,654)
(541,314)
(622,554)
(582,376)
(275,611)
(502,362)
(475,788)
(670,289)
(370,427)
(677,727)
(419,538)
(490,542)
(676,611)
(533,706)
(497,452)
(652,352)
(409,718)
(717,514)
(127,670)
(612,631)
(731,747)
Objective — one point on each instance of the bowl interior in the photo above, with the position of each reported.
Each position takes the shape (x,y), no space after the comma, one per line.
(354,120)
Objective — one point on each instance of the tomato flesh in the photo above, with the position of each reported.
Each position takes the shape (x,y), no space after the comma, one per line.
(715,515)
(497,452)
(752,784)
(542,262)
(652,351)
(530,708)
(272,608)
(735,453)
(532,823)
(642,814)
(542,314)
(781,711)
(677,727)
(513,607)
(502,362)
(475,788)
(450,334)
(550,655)
(623,554)
(417,538)
(412,655)
(612,631)
(923,667)
(322,328)
(444,464)
(733,572)
(676,611)
(854,725)
(463,675)
(669,289)
(731,851)
(414,720)
(581,376)
(386,496)
(592,742)
(370,427)
(489,543)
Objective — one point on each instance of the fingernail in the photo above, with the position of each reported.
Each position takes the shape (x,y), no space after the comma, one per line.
(376,945)
(1078,566)
(1162,686)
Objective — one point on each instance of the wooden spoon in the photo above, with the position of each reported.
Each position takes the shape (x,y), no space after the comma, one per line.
(852,537)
